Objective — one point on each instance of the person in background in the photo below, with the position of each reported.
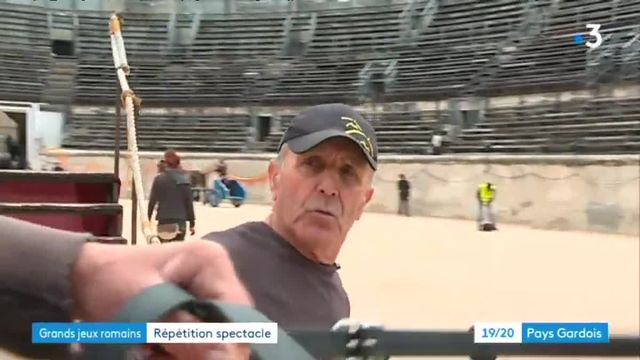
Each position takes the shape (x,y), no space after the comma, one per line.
(9,152)
(404,188)
(221,169)
(5,153)
(486,194)
(171,192)
(162,165)
(436,143)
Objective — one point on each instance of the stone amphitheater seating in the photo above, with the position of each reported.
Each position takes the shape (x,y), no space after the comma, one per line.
(369,29)
(239,58)
(153,76)
(405,132)
(552,59)
(603,125)
(24,34)
(462,37)
(95,129)
(457,49)
(240,35)
(439,62)
(325,69)
(211,71)
(597,126)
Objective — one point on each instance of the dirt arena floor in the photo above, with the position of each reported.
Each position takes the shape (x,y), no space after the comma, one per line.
(427,273)
(436,274)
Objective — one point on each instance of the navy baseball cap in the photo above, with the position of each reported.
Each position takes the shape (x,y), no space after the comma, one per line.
(321,122)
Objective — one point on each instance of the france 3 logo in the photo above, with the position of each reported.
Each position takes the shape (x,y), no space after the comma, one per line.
(595,37)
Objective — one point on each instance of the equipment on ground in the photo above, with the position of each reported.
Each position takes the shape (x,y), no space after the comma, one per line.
(226,189)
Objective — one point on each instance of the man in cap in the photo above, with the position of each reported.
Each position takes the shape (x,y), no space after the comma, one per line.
(320,183)
(171,191)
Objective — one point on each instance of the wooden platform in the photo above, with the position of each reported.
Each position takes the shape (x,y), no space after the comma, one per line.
(82,202)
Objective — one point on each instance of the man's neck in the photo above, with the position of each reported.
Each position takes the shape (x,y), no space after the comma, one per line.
(270,220)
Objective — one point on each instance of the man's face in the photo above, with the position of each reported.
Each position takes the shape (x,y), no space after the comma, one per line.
(318,195)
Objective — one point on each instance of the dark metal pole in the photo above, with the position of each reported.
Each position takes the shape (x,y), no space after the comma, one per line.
(116,168)
(134,215)
(117,227)
(134,195)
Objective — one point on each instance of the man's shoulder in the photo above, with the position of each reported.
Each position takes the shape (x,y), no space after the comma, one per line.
(163,176)
(247,244)
(178,176)
(239,233)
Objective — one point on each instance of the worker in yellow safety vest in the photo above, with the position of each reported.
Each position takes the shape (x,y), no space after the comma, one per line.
(486,194)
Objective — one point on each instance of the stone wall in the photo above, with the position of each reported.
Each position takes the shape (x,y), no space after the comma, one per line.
(586,193)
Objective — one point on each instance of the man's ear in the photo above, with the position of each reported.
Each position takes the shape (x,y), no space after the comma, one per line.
(368,195)
(274,175)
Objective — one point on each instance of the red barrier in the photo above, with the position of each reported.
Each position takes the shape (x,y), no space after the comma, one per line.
(96,224)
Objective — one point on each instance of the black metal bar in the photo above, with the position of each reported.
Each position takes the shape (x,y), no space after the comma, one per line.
(442,343)
(134,215)
(82,209)
(116,226)
(116,164)
(134,219)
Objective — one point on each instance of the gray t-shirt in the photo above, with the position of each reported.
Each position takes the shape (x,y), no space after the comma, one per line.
(287,287)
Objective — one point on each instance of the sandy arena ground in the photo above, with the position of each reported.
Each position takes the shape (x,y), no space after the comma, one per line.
(443,274)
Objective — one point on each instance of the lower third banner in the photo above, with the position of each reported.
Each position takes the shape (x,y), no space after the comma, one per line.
(148,333)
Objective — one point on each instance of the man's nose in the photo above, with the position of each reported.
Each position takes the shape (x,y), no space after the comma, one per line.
(328,185)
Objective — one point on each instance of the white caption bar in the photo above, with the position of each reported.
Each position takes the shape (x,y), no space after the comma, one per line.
(202,333)
(497,333)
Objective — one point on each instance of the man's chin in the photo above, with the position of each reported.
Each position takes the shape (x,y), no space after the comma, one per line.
(319,231)
(319,219)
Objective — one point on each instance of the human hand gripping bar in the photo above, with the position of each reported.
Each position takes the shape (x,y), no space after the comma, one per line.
(158,301)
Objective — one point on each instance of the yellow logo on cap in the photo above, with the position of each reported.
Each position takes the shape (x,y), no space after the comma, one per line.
(353,129)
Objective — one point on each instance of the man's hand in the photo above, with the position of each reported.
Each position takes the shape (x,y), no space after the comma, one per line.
(106,277)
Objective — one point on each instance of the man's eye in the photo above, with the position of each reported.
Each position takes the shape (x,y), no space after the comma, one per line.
(311,162)
(349,171)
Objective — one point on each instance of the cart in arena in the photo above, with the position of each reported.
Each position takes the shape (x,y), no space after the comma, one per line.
(226,189)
